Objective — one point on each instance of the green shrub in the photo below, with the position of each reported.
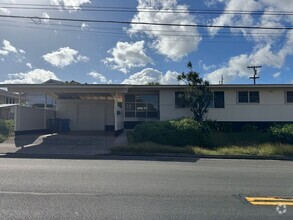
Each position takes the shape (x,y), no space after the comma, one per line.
(282,133)
(6,127)
(212,125)
(249,128)
(186,131)
(176,132)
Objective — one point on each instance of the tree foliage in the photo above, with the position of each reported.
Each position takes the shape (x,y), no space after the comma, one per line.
(197,93)
(153,84)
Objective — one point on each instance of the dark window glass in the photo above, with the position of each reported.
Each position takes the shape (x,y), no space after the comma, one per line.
(243,97)
(290,96)
(129,106)
(179,100)
(141,98)
(152,114)
(219,100)
(254,97)
(141,114)
(129,114)
(142,106)
(129,98)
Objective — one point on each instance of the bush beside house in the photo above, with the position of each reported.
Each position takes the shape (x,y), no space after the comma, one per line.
(208,134)
(6,129)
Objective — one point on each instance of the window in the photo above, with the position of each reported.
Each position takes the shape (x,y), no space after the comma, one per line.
(254,97)
(142,106)
(289,96)
(248,97)
(179,100)
(218,99)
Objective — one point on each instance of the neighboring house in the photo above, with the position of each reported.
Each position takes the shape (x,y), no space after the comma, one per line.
(7,102)
(115,107)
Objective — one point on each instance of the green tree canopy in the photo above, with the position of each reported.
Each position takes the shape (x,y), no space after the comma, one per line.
(197,93)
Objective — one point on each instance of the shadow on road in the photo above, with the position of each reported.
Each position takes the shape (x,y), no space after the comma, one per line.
(81,146)
(104,157)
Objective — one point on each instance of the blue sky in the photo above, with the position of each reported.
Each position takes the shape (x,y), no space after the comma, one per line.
(33,50)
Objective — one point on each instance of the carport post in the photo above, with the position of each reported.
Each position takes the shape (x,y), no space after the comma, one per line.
(19,98)
(115,112)
(45,112)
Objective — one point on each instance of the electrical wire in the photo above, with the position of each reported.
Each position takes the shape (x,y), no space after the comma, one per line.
(147,9)
(145,23)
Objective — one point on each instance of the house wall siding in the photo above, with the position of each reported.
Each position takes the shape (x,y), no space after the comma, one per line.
(272,107)
(87,114)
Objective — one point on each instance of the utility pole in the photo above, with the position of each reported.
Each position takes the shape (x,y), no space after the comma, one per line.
(222,80)
(254,77)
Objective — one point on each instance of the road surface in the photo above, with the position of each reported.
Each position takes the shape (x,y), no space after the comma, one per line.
(141,189)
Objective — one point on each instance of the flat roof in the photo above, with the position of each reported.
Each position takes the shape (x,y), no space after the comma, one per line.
(44,87)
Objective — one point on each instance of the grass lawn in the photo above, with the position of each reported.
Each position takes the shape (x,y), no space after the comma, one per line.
(255,150)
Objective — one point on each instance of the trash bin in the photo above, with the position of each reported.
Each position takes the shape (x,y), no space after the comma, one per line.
(54,124)
(64,125)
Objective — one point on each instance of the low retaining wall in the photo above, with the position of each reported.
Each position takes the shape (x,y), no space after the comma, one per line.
(31,119)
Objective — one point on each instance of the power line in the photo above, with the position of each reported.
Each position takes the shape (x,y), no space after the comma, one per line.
(146,9)
(145,23)
(159,31)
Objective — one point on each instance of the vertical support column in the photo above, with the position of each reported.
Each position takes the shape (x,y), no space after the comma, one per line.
(19,98)
(45,111)
(115,112)
(16,118)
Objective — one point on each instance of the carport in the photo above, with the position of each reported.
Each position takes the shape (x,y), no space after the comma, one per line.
(88,107)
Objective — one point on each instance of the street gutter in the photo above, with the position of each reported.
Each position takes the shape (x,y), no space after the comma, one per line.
(144,156)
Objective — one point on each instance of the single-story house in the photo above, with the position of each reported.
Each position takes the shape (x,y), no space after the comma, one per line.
(117,106)
(7,102)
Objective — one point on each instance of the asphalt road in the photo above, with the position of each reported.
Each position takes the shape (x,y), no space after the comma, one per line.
(141,189)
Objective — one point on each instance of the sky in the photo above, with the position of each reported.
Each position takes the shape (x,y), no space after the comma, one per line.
(94,49)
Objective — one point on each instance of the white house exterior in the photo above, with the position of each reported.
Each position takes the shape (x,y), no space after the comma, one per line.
(115,107)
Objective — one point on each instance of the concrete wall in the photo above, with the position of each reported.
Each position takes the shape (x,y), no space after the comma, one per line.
(86,114)
(272,107)
(30,119)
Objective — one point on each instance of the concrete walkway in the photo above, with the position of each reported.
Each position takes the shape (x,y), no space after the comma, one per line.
(81,144)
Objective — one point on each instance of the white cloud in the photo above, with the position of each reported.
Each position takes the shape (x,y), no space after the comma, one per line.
(31,77)
(4,11)
(127,55)
(152,75)
(276,75)
(206,67)
(71,5)
(8,48)
(237,66)
(84,26)
(269,51)
(170,41)
(265,20)
(101,78)
(47,16)
(64,57)
(29,65)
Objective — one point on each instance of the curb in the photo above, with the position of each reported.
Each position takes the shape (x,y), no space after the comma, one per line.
(244,157)
(145,156)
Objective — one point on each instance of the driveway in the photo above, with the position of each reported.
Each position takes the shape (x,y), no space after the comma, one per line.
(63,144)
